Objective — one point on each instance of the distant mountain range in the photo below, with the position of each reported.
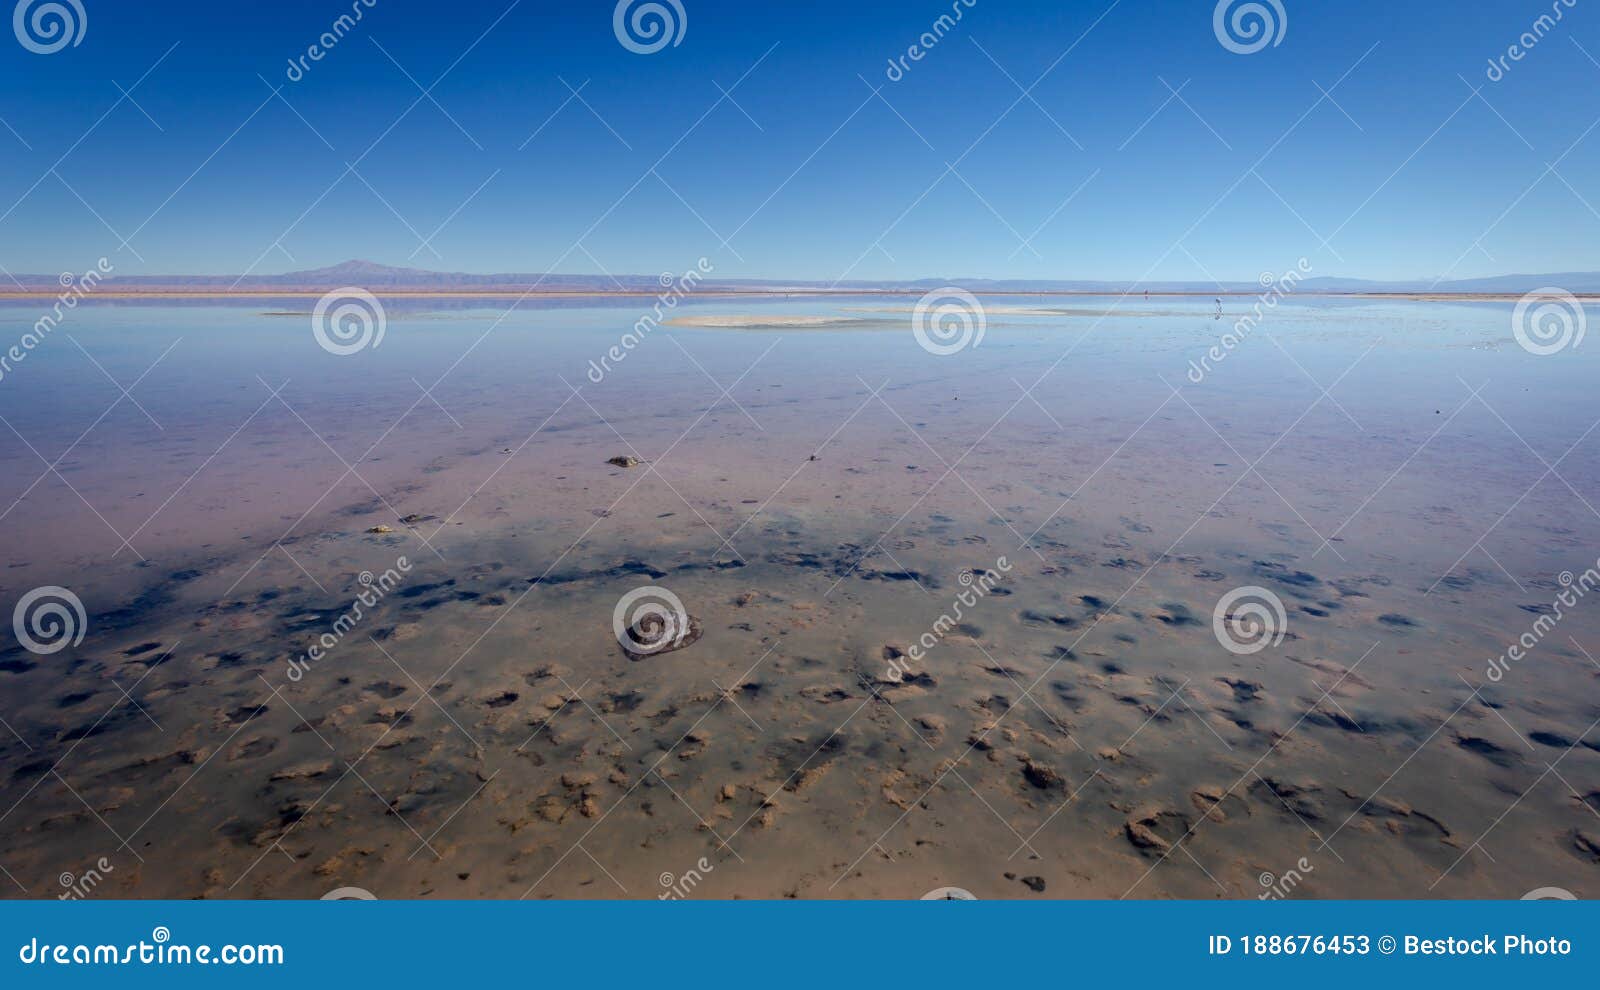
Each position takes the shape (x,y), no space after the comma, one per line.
(387,278)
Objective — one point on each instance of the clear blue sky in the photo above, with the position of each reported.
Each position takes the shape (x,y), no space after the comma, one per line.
(1403,169)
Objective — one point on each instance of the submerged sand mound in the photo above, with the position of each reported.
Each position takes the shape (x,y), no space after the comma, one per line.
(733,322)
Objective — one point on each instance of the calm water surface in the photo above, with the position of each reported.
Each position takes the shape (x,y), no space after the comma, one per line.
(1405,481)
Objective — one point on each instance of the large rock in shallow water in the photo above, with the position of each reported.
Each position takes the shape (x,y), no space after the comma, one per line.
(654,634)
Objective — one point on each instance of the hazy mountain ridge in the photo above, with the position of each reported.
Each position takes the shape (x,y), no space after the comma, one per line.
(378,277)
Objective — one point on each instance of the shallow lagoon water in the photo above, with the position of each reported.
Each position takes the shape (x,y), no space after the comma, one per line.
(1080,732)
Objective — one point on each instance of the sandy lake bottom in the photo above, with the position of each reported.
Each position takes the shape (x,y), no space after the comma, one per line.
(1410,487)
